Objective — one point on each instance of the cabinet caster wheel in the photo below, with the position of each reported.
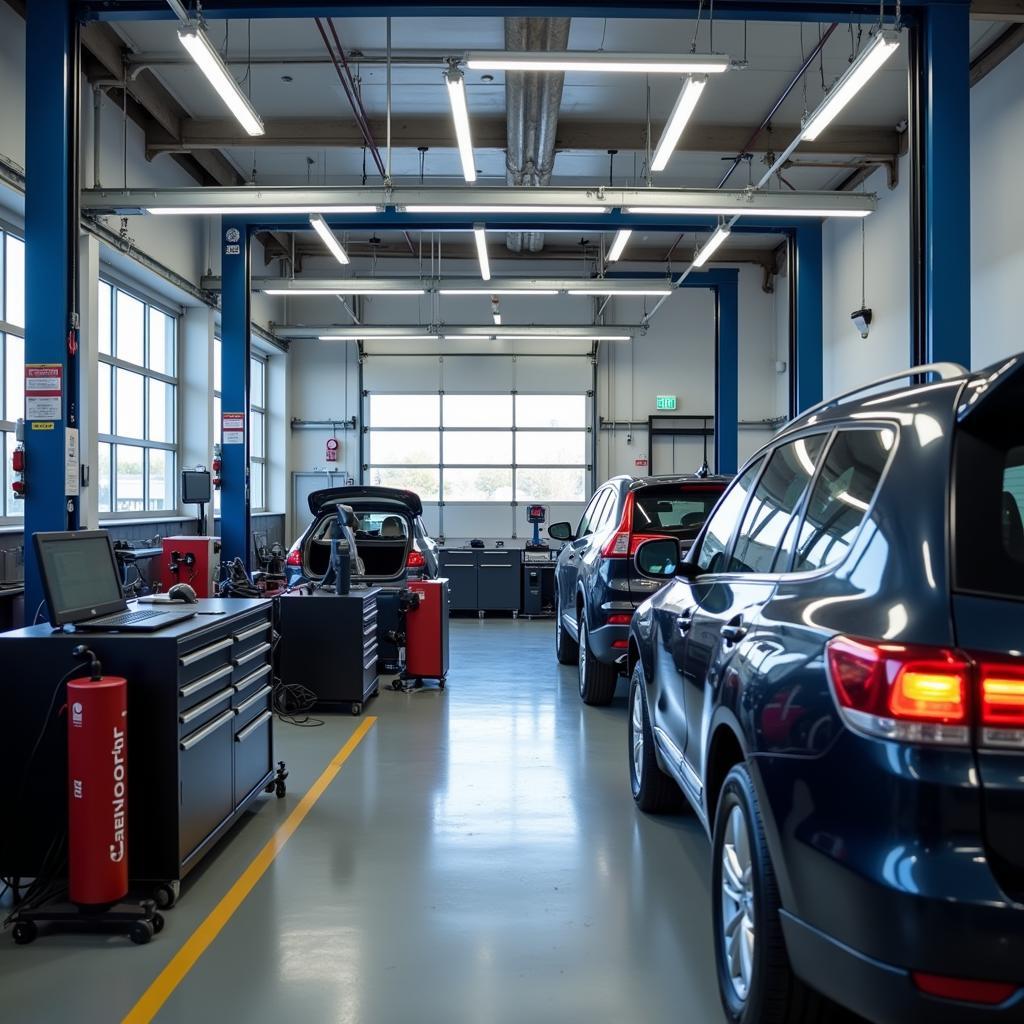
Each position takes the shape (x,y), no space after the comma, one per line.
(396,685)
(25,932)
(166,894)
(158,923)
(280,789)
(357,709)
(441,684)
(142,932)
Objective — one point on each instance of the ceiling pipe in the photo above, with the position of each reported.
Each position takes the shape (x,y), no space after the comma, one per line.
(532,103)
(767,119)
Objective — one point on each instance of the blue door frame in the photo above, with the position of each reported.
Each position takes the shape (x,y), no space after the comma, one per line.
(943,320)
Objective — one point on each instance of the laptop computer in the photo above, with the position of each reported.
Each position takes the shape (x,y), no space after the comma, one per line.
(83,588)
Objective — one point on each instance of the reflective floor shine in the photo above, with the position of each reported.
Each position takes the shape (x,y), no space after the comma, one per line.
(477,859)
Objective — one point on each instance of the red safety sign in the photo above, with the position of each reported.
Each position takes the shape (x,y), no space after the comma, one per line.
(332,449)
(641,462)
(43,391)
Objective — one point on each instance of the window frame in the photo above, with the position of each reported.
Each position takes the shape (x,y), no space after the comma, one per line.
(114,439)
(261,460)
(8,329)
(761,460)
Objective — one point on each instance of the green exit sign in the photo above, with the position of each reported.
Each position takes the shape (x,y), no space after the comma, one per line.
(667,402)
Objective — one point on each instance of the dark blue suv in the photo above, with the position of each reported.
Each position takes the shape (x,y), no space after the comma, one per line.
(597,586)
(834,678)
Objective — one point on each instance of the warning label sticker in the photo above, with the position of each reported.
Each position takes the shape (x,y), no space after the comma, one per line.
(43,391)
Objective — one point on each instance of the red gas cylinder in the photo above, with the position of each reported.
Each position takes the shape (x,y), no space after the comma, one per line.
(97,790)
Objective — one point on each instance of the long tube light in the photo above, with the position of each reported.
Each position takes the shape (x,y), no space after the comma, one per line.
(618,244)
(255,211)
(852,80)
(484,290)
(353,288)
(610,63)
(677,121)
(195,40)
(377,337)
(480,235)
(712,245)
(743,211)
(598,290)
(478,208)
(321,227)
(456,83)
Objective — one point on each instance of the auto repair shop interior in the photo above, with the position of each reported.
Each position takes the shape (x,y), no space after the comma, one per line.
(511,511)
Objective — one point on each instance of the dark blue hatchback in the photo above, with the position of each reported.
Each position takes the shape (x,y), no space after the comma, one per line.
(834,678)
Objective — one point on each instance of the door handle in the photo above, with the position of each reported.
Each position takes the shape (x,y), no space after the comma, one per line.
(684,620)
(734,631)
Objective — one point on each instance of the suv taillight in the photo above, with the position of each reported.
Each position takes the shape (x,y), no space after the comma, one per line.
(415,560)
(294,557)
(624,541)
(1001,701)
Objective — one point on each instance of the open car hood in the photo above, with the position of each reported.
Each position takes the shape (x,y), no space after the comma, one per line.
(361,497)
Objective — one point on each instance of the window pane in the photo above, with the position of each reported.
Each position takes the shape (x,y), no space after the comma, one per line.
(14,271)
(551,411)
(14,380)
(405,447)
(103,478)
(128,416)
(405,410)
(15,506)
(216,419)
(550,485)
(677,507)
(841,496)
(106,298)
(557,449)
(777,494)
(484,484)
(161,410)
(257,495)
(477,410)
(161,479)
(424,482)
(161,342)
(128,490)
(257,435)
(723,522)
(216,364)
(476,448)
(257,382)
(130,328)
(104,425)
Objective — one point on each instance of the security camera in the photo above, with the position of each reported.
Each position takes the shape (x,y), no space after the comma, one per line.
(861,321)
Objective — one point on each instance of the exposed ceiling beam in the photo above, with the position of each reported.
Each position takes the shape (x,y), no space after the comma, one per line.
(998,10)
(489,133)
(992,56)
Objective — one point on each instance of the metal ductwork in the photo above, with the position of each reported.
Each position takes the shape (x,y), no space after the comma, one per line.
(532,102)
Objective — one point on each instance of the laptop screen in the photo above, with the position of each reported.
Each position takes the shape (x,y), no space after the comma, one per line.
(79,575)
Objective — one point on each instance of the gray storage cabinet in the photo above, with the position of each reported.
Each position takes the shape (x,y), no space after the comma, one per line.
(459,566)
(483,579)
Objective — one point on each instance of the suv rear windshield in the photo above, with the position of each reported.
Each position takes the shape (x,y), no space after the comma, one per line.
(674,508)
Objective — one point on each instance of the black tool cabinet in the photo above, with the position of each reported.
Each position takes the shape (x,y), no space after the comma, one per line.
(329,645)
(482,579)
(200,735)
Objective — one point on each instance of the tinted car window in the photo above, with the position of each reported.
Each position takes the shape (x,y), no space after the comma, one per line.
(771,507)
(723,522)
(606,515)
(841,496)
(674,508)
(588,515)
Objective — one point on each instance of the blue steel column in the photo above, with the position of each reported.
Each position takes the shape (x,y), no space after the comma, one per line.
(235,341)
(49,81)
(727,368)
(941,199)
(806,366)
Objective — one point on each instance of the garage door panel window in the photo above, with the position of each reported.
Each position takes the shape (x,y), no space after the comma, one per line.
(424,481)
(137,397)
(485,447)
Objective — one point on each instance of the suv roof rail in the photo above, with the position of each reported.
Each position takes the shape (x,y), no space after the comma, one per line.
(944,371)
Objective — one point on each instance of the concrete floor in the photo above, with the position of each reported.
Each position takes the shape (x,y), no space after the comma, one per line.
(478,859)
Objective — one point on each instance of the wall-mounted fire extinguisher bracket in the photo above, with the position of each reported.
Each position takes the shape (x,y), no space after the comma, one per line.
(97,728)
(18,470)
(216,465)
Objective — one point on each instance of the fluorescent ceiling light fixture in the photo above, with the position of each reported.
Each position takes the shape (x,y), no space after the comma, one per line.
(377,337)
(354,287)
(618,244)
(484,290)
(686,102)
(610,63)
(480,234)
(194,38)
(257,211)
(509,208)
(744,211)
(597,289)
(711,246)
(852,80)
(321,227)
(456,83)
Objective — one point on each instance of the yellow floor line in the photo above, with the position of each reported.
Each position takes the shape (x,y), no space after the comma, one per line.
(171,976)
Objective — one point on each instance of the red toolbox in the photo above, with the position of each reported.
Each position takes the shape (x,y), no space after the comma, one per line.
(426,628)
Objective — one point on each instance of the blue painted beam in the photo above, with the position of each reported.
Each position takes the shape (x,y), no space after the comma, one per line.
(941,199)
(727,368)
(236,332)
(50,82)
(806,357)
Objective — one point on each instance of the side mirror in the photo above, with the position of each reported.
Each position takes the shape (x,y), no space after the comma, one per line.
(661,559)
(560,531)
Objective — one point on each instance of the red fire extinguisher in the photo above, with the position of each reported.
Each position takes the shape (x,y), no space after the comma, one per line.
(216,465)
(97,787)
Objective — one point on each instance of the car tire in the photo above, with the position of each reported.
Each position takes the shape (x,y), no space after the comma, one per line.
(566,650)
(755,980)
(653,790)
(597,680)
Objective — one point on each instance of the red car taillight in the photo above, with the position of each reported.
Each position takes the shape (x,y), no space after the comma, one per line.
(294,557)
(415,560)
(964,990)
(624,542)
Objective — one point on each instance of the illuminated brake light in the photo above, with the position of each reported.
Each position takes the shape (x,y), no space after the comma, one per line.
(624,542)
(415,560)
(1001,699)
(294,558)
(964,990)
(619,620)
(935,695)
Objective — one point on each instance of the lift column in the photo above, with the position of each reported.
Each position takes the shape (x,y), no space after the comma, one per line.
(806,364)
(727,370)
